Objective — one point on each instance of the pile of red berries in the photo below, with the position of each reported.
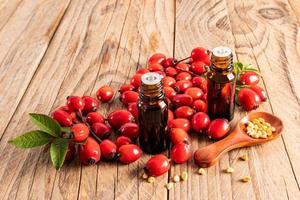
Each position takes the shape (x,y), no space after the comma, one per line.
(249,94)
(90,132)
(185,88)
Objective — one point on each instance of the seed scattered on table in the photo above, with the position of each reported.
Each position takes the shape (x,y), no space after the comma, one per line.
(176,178)
(145,176)
(201,171)
(169,185)
(246,179)
(151,179)
(244,157)
(229,170)
(184,175)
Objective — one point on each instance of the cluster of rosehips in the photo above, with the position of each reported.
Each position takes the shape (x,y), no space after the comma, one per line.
(185,88)
(250,95)
(89,131)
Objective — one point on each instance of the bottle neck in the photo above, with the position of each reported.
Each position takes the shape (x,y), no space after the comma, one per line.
(222,64)
(151,93)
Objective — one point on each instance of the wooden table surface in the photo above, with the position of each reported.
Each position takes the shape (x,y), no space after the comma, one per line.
(50,49)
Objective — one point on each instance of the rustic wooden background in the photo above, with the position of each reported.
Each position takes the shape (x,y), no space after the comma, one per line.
(53,48)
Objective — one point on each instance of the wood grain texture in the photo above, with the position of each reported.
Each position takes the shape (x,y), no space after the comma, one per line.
(52,49)
(81,58)
(259,41)
(24,39)
(202,23)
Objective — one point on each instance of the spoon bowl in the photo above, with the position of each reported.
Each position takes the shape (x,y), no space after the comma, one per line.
(209,155)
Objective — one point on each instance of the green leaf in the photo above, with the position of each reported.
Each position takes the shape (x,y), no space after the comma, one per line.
(46,123)
(58,151)
(31,139)
(66,129)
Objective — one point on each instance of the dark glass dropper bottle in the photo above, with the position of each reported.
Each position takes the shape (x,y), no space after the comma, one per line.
(221,84)
(153,114)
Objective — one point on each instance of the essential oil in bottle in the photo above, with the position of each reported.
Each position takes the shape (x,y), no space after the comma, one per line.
(221,84)
(153,114)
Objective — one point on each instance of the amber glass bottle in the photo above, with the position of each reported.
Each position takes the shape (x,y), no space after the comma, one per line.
(221,84)
(153,114)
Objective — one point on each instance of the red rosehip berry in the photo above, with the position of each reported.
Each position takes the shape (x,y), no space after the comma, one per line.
(184,112)
(70,152)
(204,97)
(80,132)
(91,104)
(169,92)
(101,130)
(168,81)
(218,128)
(200,122)
(180,123)
(249,78)
(129,97)
(94,117)
(199,81)
(182,67)
(182,100)
(123,140)
(67,109)
(157,165)
(155,67)
(157,58)
(142,71)
(161,73)
(133,109)
(171,71)
(129,153)
(136,80)
(170,115)
(206,60)
(130,130)
(108,149)
(199,54)
(126,87)
(195,92)
(184,76)
(181,152)
(105,93)
(178,135)
(200,106)
(182,86)
(248,99)
(119,117)
(75,103)
(89,153)
(62,117)
(169,62)
(198,67)
(260,92)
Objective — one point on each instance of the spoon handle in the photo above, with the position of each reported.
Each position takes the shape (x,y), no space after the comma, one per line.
(208,155)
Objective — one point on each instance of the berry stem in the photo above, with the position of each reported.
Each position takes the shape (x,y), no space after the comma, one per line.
(79,113)
(175,62)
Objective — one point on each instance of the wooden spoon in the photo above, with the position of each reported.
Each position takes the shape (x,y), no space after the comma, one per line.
(209,155)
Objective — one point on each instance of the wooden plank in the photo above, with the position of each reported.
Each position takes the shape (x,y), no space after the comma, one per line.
(152,22)
(257,29)
(202,23)
(24,39)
